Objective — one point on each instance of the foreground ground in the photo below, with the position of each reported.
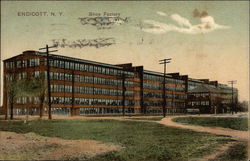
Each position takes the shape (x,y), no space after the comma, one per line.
(32,146)
(141,140)
(130,140)
(236,134)
(233,151)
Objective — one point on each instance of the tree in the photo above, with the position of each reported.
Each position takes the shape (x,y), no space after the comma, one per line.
(26,87)
(243,106)
(41,89)
(37,88)
(14,90)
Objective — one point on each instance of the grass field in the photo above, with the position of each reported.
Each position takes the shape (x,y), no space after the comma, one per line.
(226,122)
(236,153)
(143,141)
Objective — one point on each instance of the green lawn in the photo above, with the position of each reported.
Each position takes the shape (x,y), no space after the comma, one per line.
(142,141)
(149,119)
(226,122)
(236,153)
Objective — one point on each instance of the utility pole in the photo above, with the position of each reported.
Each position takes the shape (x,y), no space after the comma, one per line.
(232,82)
(1,81)
(173,96)
(48,75)
(123,94)
(164,61)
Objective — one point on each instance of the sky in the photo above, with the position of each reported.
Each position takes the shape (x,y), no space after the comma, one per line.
(205,39)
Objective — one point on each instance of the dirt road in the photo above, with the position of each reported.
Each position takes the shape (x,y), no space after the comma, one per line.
(31,146)
(241,135)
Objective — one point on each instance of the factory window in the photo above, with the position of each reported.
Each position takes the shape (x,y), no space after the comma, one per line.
(34,62)
(103,70)
(61,64)
(66,65)
(72,65)
(90,68)
(36,100)
(7,65)
(115,72)
(56,76)
(36,74)
(81,78)
(95,69)
(24,63)
(11,64)
(68,77)
(81,67)
(61,76)
(111,71)
(86,67)
(77,78)
(77,66)
(19,64)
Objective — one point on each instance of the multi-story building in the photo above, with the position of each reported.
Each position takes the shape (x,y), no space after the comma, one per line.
(153,93)
(78,87)
(82,87)
(226,93)
(210,96)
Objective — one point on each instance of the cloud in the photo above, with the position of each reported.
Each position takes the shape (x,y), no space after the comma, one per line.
(161,13)
(181,20)
(207,25)
(157,27)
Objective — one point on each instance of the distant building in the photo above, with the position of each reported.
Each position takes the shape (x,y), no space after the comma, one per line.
(82,87)
(211,97)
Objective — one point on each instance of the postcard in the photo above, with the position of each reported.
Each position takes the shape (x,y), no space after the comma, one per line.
(124,80)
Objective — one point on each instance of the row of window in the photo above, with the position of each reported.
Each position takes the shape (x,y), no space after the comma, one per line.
(152,86)
(159,95)
(83,111)
(91,101)
(158,103)
(88,68)
(89,79)
(159,110)
(204,103)
(60,111)
(21,75)
(93,111)
(35,111)
(25,100)
(160,87)
(161,78)
(22,63)
(200,94)
(60,88)
(60,76)
(89,90)
(192,85)
(152,94)
(68,65)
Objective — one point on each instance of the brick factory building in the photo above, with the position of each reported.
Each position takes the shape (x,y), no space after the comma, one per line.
(82,87)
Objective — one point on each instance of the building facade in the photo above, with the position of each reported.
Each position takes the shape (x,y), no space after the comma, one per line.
(210,96)
(82,87)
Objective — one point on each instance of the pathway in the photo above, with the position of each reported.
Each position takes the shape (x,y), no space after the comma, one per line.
(241,135)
